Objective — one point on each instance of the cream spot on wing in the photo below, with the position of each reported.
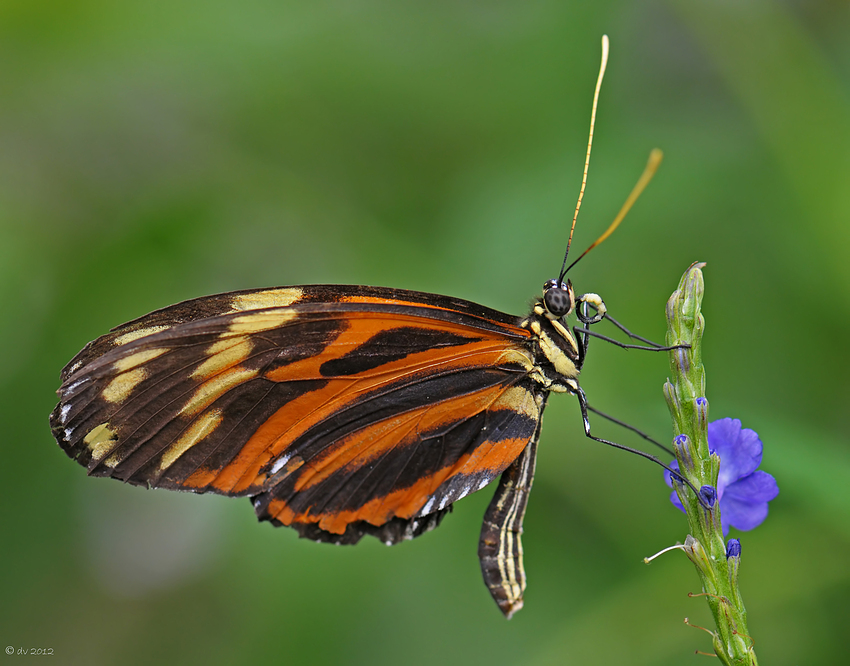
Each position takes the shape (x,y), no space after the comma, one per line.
(200,428)
(113,460)
(120,388)
(519,357)
(270,298)
(261,321)
(134,360)
(212,389)
(135,335)
(519,400)
(223,354)
(100,440)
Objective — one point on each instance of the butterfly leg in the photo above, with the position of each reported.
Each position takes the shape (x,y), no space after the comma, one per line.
(624,345)
(625,425)
(500,547)
(582,401)
(629,333)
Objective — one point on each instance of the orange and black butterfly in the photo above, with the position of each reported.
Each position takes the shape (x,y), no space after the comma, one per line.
(338,410)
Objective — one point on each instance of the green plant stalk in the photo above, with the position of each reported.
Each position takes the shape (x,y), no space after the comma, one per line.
(705,545)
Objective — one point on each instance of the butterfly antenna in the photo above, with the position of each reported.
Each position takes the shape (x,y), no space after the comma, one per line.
(602,66)
(655,158)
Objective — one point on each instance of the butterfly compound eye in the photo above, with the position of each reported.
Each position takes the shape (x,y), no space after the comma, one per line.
(556,297)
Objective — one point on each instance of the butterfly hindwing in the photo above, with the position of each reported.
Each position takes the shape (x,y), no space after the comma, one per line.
(342,410)
(410,464)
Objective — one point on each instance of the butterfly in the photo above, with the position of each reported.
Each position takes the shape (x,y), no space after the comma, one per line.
(340,411)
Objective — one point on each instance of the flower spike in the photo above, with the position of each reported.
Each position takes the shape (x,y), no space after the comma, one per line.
(721,458)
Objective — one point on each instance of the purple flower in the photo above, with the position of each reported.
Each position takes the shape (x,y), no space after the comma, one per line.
(742,490)
(708,496)
(733,548)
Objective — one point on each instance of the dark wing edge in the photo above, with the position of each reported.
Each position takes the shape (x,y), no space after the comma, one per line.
(500,544)
(390,533)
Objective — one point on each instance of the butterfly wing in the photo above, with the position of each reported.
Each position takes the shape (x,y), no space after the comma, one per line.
(339,410)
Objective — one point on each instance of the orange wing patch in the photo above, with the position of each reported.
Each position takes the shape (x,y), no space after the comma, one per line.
(305,412)
(352,460)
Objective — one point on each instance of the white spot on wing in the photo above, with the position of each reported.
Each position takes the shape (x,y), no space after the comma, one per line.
(72,387)
(430,505)
(280,462)
(67,434)
(483,484)
(63,414)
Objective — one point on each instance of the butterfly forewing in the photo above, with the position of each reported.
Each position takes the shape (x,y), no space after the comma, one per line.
(337,408)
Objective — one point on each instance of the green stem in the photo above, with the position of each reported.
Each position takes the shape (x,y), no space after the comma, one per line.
(705,545)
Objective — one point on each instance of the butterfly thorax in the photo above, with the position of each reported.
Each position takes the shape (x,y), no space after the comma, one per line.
(557,361)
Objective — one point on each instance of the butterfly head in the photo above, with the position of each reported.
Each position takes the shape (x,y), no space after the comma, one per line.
(559,298)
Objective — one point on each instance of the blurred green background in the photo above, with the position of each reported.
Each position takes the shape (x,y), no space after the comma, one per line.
(152,152)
